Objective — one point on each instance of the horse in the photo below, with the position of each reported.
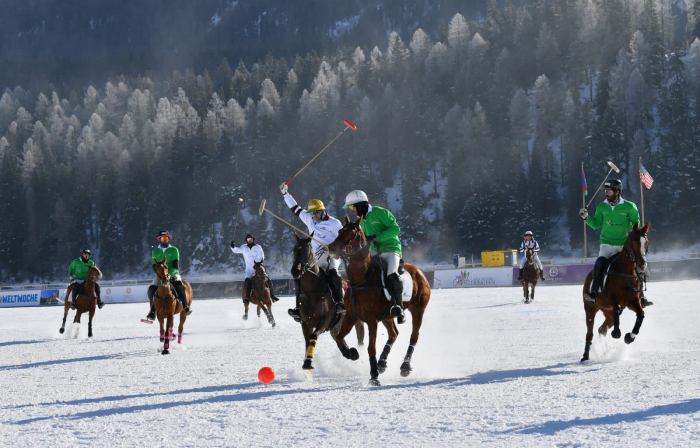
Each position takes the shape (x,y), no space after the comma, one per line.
(167,304)
(85,301)
(260,293)
(316,306)
(623,289)
(531,273)
(366,300)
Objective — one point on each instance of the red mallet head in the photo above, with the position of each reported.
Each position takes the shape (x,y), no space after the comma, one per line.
(266,375)
(350,125)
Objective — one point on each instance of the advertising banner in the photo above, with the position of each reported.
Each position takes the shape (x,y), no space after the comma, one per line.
(565,274)
(473,277)
(124,294)
(50,297)
(673,270)
(20,298)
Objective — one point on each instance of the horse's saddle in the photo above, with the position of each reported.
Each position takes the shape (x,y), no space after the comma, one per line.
(403,275)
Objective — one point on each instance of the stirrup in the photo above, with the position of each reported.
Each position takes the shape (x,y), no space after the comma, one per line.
(151,315)
(274,298)
(645,302)
(187,310)
(589,297)
(294,312)
(100,304)
(72,305)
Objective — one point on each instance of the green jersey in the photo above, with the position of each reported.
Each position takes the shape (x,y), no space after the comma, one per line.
(382,224)
(171,254)
(616,223)
(79,269)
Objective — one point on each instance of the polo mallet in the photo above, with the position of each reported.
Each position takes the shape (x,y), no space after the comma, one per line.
(263,209)
(348,125)
(240,200)
(612,167)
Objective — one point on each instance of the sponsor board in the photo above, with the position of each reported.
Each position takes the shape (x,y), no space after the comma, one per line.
(124,294)
(473,277)
(51,297)
(560,274)
(20,298)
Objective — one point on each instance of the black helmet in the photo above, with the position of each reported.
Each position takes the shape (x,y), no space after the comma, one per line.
(614,184)
(163,233)
(86,251)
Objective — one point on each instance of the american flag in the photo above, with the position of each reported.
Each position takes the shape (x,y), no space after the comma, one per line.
(647,180)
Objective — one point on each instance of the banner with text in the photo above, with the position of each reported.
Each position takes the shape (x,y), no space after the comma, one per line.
(473,277)
(20,298)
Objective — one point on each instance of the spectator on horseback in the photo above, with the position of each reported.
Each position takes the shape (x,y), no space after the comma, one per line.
(615,217)
(324,229)
(77,272)
(172,254)
(382,231)
(252,253)
(529,242)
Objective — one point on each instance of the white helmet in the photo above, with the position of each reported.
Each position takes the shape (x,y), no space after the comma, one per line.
(528,233)
(355,197)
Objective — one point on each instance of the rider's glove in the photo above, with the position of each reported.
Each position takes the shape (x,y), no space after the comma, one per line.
(371,239)
(583,213)
(283,188)
(233,245)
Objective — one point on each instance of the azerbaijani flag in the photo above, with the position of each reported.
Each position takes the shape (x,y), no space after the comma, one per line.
(583,180)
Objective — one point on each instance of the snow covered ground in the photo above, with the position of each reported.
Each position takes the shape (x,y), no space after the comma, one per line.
(487,371)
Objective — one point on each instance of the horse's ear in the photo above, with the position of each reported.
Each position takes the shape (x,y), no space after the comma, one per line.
(297,236)
(635,227)
(312,234)
(646,228)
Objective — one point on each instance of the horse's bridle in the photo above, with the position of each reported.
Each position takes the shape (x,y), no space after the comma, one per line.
(166,284)
(351,250)
(306,266)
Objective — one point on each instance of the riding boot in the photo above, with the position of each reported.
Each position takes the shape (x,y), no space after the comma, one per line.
(151,292)
(335,283)
(273,297)
(541,275)
(75,290)
(294,312)
(71,295)
(182,296)
(597,271)
(645,302)
(100,303)
(396,290)
(248,285)
(520,274)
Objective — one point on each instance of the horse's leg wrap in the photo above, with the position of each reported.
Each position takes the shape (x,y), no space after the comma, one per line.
(382,359)
(349,353)
(373,370)
(406,366)
(586,351)
(616,326)
(629,337)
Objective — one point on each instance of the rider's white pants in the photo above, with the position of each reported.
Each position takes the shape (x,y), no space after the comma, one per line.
(176,278)
(392,262)
(607,251)
(326,262)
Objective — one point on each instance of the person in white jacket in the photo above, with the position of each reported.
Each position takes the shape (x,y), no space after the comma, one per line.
(529,242)
(325,230)
(252,253)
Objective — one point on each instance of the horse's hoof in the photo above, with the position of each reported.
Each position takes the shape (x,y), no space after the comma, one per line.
(628,338)
(274,324)
(374,382)
(165,352)
(308,364)
(245,317)
(354,355)
(381,366)
(616,334)
(585,358)
(405,369)
(62,330)
(90,335)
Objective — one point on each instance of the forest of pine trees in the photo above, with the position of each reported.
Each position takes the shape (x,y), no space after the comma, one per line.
(470,136)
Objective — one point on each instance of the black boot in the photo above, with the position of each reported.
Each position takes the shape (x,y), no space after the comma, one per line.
(151,292)
(520,274)
(273,297)
(396,290)
(182,296)
(645,302)
(335,283)
(597,271)
(75,290)
(100,303)
(248,285)
(541,275)
(294,312)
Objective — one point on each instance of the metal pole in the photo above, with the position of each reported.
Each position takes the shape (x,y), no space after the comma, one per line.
(585,236)
(641,189)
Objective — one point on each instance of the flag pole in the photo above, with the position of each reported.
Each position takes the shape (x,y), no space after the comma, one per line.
(585,238)
(641,189)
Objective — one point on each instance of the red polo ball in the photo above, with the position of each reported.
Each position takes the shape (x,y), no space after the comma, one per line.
(266,375)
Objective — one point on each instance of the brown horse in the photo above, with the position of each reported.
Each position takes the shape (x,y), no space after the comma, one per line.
(531,273)
(260,293)
(85,301)
(366,300)
(622,291)
(167,305)
(316,306)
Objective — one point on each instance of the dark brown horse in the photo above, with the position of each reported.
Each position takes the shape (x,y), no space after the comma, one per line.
(531,273)
(623,289)
(316,306)
(260,294)
(167,305)
(85,301)
(366,300)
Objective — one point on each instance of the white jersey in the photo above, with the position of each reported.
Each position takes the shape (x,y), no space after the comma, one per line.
(529,244)
(251,255)
(325,231)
